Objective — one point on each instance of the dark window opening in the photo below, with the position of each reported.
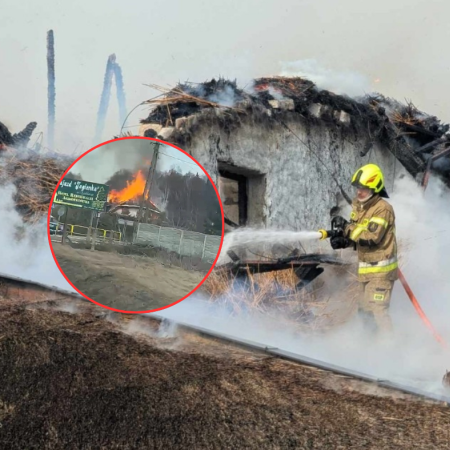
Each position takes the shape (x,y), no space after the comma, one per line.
(233,190)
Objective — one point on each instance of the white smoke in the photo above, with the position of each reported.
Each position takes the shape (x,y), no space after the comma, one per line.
(276,94)
(348,83)
(246,237)
(25,248)
(226,97)
(414,358)
(423,223)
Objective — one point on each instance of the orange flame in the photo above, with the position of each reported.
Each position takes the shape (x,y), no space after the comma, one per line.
(134,189)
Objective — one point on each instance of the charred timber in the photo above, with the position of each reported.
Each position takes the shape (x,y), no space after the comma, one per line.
(22,138)
(440,154)
(431,145)
(17,140)
(237,266)
(422,130)
(412,162)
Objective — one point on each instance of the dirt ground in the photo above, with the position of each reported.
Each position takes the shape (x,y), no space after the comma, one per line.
(125,282)
(78,381)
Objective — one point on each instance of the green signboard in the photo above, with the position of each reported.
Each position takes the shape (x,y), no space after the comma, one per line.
(81,194)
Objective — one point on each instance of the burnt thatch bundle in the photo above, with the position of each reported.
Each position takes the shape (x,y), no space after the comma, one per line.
(35,178)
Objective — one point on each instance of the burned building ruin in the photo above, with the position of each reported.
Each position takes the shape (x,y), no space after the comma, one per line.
(280,147)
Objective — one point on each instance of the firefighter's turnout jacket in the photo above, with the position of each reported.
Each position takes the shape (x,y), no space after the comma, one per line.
(372,228)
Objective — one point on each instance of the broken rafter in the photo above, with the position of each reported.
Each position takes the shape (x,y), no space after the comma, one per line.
(431,145)
(421,130)
(426,175)
(440,154)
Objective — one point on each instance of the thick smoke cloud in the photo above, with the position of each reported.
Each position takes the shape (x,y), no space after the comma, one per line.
(414,358)
(129,155)
(119,180)
(391,41)
(101,163)
(25,249)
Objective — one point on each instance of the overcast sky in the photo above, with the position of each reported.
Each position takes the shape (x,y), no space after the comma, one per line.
(352,43)
(100,164)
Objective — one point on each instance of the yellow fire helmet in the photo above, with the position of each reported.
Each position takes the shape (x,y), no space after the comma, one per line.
(370,176)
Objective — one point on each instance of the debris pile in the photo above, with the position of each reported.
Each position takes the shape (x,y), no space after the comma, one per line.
(35,178)
(34,174)
(419,141)
(426,137)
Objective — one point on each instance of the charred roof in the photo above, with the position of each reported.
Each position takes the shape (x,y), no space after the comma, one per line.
(420,141)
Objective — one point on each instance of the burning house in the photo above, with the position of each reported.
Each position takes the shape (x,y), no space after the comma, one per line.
(128,211)
(125,203)
(278,148)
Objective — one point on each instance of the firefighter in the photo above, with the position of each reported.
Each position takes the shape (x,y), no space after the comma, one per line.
(371,231)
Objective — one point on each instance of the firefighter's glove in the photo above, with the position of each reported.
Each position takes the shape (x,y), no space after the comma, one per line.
(339,242)
(338,222)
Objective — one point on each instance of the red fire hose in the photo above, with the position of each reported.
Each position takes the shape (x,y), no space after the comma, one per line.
(409,291)
(420,311)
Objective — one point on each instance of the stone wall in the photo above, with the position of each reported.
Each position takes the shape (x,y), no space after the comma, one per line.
(288,186)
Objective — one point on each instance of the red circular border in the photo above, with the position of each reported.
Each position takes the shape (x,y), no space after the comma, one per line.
(162,142)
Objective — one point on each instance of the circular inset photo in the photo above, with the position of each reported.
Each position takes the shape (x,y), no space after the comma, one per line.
(135,225)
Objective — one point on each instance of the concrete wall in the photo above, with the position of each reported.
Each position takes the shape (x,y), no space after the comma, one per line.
(288,187)
(184,243)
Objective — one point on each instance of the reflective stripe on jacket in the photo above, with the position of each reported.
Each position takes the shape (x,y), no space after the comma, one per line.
(372,228)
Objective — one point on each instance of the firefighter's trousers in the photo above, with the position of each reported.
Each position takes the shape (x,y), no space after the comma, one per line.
(374,302)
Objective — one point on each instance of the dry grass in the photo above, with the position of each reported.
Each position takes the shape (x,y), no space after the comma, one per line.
(409,115)
(291,86)
(177,95)
(71,381)
(398,117)
(275,293)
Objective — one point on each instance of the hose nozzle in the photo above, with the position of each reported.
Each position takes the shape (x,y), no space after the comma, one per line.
(324,234)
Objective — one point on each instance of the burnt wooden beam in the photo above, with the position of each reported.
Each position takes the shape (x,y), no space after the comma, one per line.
(421,130)
(255,266)
(440,154)
(430,145)
(233,256)
(400,149)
